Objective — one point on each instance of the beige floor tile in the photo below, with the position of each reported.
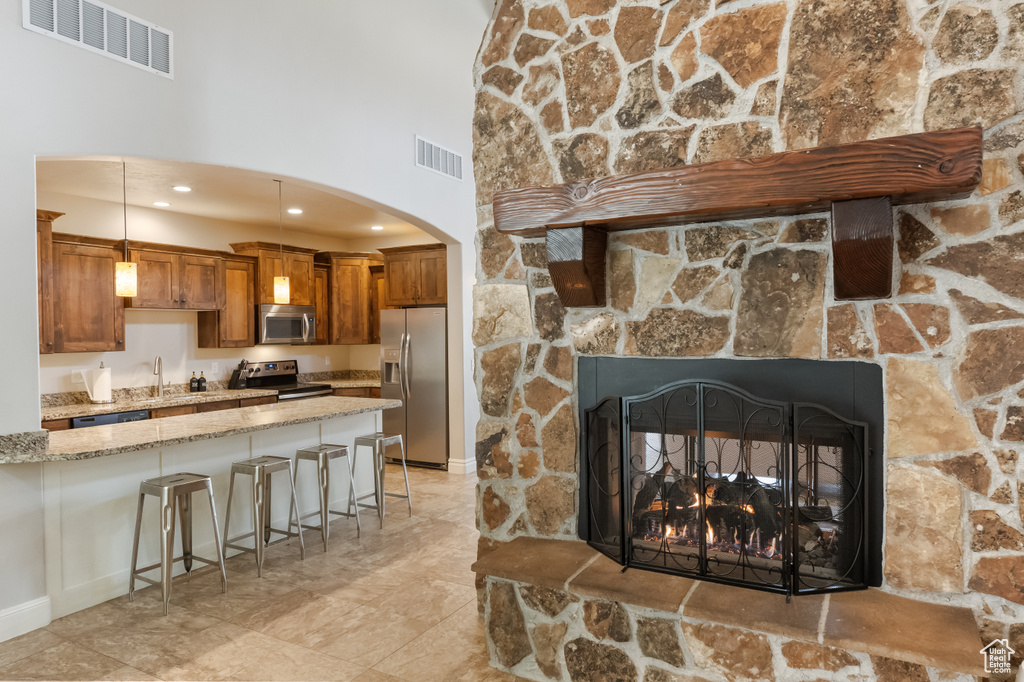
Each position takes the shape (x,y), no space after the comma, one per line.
(361,583)
(294,615)
(365,636)
(426,599)
(372,675)
(130,674)
(202,594)
(434,656)
(65,661)
(32,643)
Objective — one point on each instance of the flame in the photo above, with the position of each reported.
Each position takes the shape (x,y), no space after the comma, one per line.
(668,531)
(711,533)
(748,508)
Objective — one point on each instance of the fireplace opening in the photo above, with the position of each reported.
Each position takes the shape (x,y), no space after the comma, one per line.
(707,478)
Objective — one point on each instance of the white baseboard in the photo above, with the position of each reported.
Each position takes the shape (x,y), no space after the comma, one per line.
(462,466)
(17,620)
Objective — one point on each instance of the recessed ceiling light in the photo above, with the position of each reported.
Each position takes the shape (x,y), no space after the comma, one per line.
(295,211)
(161,204)
(181,188)
(377,227)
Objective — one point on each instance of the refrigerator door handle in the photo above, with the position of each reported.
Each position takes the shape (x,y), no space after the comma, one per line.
(406,383)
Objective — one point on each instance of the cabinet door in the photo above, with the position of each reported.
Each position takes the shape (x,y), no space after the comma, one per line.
(162,412)
(432,278)
(376,296)
(400,273)
(44,252)
(350,302)
(300,273)
(200,287)
(322,298)
(268,268)
(237,319)
(159,279)
(87,315)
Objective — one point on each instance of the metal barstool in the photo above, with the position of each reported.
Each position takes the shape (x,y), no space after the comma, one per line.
(379,441)
(174,489)
(323,455)
(260,469)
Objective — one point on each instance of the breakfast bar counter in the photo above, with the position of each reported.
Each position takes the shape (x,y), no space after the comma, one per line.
(113,439)
(91,480)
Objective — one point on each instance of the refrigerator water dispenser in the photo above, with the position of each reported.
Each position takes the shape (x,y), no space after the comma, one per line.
(392,368)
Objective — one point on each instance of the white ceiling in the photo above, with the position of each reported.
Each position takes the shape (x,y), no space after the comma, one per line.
(217,192)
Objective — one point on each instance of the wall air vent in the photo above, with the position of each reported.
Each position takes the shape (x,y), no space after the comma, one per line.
(105,30)
(438,159)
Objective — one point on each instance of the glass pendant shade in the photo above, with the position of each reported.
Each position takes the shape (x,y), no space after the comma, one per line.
(126,279)
(282,294)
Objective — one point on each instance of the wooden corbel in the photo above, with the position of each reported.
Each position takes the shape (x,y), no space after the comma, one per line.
(576,263)
(858,182)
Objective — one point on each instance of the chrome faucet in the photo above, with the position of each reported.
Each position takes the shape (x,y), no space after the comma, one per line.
(158,370)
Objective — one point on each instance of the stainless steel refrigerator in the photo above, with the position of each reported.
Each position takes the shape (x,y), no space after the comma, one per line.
(414,369)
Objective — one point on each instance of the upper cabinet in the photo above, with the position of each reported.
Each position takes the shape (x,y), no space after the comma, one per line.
(416,275)
(44,253)
(234,324)
(298,268)
(178,279)
(350,296)
(87,316)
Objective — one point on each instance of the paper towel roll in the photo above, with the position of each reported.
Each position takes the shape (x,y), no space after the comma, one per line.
(97,384)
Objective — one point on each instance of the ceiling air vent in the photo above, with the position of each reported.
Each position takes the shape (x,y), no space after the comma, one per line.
(105,30)
(438,159)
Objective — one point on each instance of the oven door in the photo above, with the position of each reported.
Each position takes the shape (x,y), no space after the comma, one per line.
(287,324)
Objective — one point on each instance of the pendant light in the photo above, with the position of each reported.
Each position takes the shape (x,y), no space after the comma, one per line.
(126,276)
(282,293)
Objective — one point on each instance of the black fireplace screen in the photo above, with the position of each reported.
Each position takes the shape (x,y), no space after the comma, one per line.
(703,479)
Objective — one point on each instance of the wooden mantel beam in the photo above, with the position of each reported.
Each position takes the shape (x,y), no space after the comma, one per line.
(923,167)
(911,169)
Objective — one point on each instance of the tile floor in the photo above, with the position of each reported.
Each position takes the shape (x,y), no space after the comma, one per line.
(396,604)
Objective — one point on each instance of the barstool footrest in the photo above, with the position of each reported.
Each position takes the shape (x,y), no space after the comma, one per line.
(151,567)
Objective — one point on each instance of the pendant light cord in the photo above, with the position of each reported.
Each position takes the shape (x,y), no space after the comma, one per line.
(124,206)
(280,225)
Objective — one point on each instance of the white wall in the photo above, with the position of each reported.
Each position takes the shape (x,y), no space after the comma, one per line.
(331,93)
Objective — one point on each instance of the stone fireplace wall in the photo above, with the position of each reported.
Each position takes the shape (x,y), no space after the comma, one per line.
(584,88)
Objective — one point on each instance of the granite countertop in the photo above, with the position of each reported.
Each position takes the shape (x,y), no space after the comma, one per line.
(88,410)
(113,439)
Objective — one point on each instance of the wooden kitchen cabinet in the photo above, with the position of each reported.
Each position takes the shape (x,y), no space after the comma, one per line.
(298,268)
(178,279)
(416,275)
(44,270)
(87,316)
(262,400)
(353,392)
(234,324)
(56,424)
(217,406)
(350,296)
(322,302)
(177,411)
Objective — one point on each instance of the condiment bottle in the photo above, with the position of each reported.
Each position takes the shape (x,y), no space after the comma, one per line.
(193,384)
(202,383)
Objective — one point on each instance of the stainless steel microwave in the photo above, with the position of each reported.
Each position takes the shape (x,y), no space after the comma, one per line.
(287,324)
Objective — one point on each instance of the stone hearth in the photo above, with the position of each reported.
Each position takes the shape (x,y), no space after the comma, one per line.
(584,88)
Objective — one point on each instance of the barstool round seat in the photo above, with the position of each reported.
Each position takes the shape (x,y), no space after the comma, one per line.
(323,455)
(379,442)
(259,470)
(174,490)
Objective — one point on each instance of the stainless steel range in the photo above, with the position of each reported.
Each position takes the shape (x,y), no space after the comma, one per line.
(282,376)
